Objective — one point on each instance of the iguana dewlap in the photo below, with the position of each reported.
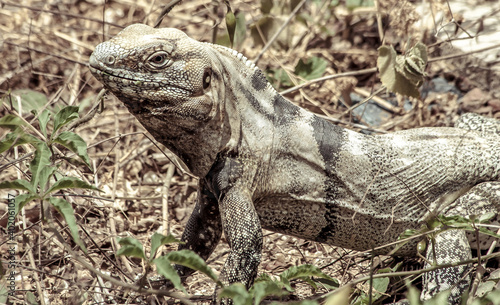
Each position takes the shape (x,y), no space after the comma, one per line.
(264,162)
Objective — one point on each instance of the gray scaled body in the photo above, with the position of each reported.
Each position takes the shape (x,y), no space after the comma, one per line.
(263,162)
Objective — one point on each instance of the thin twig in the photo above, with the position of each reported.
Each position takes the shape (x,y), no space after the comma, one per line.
(379,21)
(112,224)
(164,201)
(98,101)
(46,53)
(76,16)
(327,77)
(353,125)
(166,9)
(364,101)
(481,268)
(414,272)
(36,279)
(273,38)
(451,56)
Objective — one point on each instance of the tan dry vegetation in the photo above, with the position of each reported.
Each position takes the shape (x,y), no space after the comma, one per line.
(45,48)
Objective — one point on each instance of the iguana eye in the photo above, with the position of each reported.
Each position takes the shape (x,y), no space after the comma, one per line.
(207,77)
(159,59)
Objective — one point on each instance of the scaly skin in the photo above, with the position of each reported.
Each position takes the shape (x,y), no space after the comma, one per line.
(266,163)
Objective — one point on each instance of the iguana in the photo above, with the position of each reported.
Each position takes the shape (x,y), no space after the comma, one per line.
(264,162)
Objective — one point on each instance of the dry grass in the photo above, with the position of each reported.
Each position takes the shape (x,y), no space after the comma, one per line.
(46,45)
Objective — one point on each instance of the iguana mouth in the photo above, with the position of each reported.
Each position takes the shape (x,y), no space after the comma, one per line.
(109,74)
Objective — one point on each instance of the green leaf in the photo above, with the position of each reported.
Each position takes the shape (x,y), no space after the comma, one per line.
(64,116)
(23,199)
(412,65)
(402,74)
(380,286)
(485,231)
(494,297)
(353,4)
(328,283)
(230,23)
(313,68)
(69,183)
(45,176)
(75,143)
(39,162)
(263,277)
(18,184)
(485,287)
(191,260)
(341,297)
(495,275)
(261,290)
(303,302)
(238,293)
(30,100)
(268,25)
(31,298)
(279,77)
(301,271)
(266,6)
(4,292)
(131,247)
(16,138)
(11,121)
(241,30)
(158,240)
(164,267)
(43,119)
(486,217)
(66,210)
(413,295)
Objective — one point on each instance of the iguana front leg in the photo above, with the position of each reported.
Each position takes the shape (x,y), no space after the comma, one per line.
(203,229)
(244,235)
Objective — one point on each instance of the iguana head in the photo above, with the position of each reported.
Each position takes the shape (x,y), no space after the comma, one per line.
(173,85)
(156,71)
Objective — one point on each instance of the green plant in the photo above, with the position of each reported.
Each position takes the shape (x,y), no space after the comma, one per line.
(309,69)
(264,286)
(45,180)
(403,74)
(131,247)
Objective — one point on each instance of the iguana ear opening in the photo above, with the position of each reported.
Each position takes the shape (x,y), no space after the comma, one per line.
(207,77)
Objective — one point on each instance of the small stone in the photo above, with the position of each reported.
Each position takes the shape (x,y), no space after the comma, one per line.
(474,96)
(494,104)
